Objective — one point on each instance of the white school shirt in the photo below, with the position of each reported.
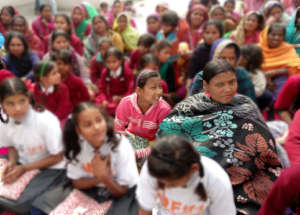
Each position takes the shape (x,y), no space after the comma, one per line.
(123,164)
(184,200)
(36,137)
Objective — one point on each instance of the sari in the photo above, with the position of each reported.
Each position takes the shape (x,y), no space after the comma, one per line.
(83,28)
(236,136)
(292,34)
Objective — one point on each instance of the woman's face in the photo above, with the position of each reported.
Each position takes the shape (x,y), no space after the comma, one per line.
(211,34)
(16,106)
(92,126)
(99,26)
(218,14)
(77,16)
(19,25)
(251,23)
(122,22)
(197,18)
(229,55)
(16,47)
(5,17)
(276,12)
(60,42)
(222,87)
(47,13)
(275,38)
(61,24)
(153,25)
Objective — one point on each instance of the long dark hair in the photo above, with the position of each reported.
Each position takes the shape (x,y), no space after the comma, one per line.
(14,34)
(172,157)
(115,52)
(254,56)
(70,135)
(69,22)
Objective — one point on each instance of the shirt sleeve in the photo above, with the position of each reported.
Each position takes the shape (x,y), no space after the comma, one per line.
(146,192)
(121,120)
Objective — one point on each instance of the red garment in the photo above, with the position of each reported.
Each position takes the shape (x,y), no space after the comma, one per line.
(288,93)
(285,191)
(35,43)
(78,91)
(292,143)
(5,74)
(135,58)
(96,69)
(115,87)
(57,102)
(2,29)
(41,29)
(75,43)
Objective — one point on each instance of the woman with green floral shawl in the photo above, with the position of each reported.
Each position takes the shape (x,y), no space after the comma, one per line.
(228,128)
(129,34)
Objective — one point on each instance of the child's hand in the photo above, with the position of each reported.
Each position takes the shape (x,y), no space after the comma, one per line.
(7,169)
(100,166)
(116,99)
(104,104)
(271,20)
(15,173)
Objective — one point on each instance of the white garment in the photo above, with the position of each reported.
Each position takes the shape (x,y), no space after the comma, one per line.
(47,91)
(123,164)
(184,200)
(259,81)
(36,137)
(117,73)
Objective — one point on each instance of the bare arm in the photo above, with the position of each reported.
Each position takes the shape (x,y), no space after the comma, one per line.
(285,116)
(85,183)
(276,72)
(44,163)
(143,212)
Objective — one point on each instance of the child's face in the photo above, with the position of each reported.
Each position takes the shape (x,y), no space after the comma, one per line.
(16,47)
(153,25)
(92,126)
(229,55)
(122,22)
(19,25)
(164,55)
(77,16)
(161,9)
(16,106)
(60,42)
(113,63)
(99,26)
(298,21)
(229,7)
(275,38)
(143,49)
(63,68)
(46,13)
(61,24)
(251,23)
(151,66)
(167,28)
(104,47)
(197,17)
(117,9)
(276,12)
(5,17)
(104,8)
(242,61)
(218,14)
(52,78)
(211,34)
(151,92)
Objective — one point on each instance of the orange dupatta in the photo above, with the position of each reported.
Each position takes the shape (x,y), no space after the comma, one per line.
(285,56)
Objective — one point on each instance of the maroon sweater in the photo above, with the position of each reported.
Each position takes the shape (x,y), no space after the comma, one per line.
(78,91)
(96,69)
(135,59)
(57,102)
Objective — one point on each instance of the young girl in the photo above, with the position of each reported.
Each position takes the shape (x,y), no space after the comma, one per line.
(102,163)
(61,40)
(78,16)
(49,92)
(19,59)
(145,42)
(213,30)
(63,22)
(97,62)
(229,6)
(6,15)
(141,113)
(153,24)
(19,23)
(251,59)
(274,13)
(176,180)
(116,81)
(217,12)
(77,89)
(43,25)
(129,34)
(104,9)
(34,141)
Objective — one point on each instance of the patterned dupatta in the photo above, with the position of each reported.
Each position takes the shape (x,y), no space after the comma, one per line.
(235,136)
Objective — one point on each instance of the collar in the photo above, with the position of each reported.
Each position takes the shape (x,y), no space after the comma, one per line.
(117,73)
(47,91)
(25,119)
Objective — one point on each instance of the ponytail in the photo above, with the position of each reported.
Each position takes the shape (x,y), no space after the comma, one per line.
(2,118)
(71,140)
(200,190)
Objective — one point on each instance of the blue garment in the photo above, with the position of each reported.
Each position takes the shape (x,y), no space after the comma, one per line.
(1,40)
(292,34)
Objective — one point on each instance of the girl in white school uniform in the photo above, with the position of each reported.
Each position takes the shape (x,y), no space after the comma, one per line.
(34,141)
(176,181)
(101,163)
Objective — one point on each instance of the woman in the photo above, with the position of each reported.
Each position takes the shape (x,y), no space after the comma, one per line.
(280,58)
(274,13)
(248,29)
(228,128)
(19,59)
(100,29)
(19,23)
(6,15)
(292,34)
